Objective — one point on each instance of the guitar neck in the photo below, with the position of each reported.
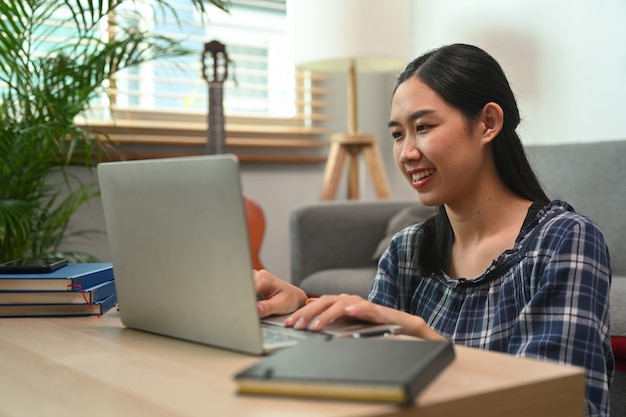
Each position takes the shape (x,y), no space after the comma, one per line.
(216,140)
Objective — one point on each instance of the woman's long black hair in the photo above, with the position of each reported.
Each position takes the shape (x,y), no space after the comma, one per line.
(468,78)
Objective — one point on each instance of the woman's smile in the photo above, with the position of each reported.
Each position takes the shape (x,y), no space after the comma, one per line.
(421,177)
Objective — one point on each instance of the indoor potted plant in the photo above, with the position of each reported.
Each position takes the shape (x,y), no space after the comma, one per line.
(42,90)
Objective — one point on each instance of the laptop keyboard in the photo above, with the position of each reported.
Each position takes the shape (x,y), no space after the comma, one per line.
(278,334)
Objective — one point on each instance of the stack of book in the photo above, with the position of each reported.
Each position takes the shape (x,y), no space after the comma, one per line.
(76,289)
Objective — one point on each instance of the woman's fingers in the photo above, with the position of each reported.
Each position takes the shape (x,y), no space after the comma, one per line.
(277,296)
(326,309)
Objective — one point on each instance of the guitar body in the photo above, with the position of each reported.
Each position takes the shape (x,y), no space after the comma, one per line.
(256,229)
(216,140)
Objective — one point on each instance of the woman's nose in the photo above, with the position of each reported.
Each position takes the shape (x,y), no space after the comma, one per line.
(409,150)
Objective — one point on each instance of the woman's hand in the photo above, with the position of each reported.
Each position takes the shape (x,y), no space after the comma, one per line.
(277,296)
(324,310)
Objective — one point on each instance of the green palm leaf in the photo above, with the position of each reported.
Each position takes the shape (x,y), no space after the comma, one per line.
(42,90)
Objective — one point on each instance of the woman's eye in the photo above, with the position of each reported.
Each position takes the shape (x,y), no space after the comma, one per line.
(421,128)
(396,135)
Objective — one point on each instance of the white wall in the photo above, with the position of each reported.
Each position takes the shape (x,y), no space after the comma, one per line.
(566,61)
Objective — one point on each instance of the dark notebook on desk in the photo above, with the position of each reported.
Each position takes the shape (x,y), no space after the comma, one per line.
(371,369)
(178,237)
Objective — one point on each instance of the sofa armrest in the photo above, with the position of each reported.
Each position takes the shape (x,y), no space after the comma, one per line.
(618,306)
(338,234)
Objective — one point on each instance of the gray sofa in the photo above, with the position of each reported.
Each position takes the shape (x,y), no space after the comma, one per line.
(332,243)
(591,177)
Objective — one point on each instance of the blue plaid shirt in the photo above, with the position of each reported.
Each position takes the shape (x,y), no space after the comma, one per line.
(548,297)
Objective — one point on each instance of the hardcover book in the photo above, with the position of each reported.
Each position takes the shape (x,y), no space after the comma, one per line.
(89,295)
(71,277)
(366,369)
(58,310)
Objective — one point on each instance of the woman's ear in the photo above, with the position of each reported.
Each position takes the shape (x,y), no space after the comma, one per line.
(491,120)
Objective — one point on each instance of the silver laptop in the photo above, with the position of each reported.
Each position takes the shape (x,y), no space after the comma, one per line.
(178,237)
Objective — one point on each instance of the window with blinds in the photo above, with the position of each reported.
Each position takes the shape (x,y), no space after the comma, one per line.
(273,113)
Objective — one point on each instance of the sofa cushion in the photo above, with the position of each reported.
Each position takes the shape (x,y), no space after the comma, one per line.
(357,281)
(404,218)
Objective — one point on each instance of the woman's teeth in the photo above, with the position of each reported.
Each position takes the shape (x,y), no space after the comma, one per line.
(422,174)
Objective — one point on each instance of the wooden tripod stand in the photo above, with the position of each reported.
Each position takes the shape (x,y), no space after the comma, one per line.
(353,144)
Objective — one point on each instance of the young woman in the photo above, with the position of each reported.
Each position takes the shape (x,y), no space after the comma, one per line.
(500,266)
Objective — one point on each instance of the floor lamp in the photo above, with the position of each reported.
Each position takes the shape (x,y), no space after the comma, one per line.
(351,37)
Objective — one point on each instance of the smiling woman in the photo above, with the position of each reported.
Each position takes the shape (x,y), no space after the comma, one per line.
(499,266)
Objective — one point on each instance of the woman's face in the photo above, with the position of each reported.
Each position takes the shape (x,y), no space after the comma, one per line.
(436,149)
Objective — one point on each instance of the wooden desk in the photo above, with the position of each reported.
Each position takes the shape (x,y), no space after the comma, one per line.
(92,367)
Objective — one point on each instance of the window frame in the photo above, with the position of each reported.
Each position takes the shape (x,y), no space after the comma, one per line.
(139,134)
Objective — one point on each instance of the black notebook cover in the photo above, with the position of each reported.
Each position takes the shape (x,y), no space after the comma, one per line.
(371,369)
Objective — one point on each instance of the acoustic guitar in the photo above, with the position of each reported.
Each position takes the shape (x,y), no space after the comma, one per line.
(216,137)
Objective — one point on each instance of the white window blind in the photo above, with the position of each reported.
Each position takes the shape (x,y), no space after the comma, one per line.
(262,78)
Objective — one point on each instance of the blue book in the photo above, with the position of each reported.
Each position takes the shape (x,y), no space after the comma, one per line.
(59,310)
(71,277)
(89,295)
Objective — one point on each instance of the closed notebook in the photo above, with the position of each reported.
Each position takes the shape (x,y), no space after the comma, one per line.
(369,369)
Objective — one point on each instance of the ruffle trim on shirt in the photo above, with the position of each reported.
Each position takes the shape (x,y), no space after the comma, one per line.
(511,257)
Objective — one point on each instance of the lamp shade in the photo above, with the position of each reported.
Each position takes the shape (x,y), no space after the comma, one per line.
(368,35)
